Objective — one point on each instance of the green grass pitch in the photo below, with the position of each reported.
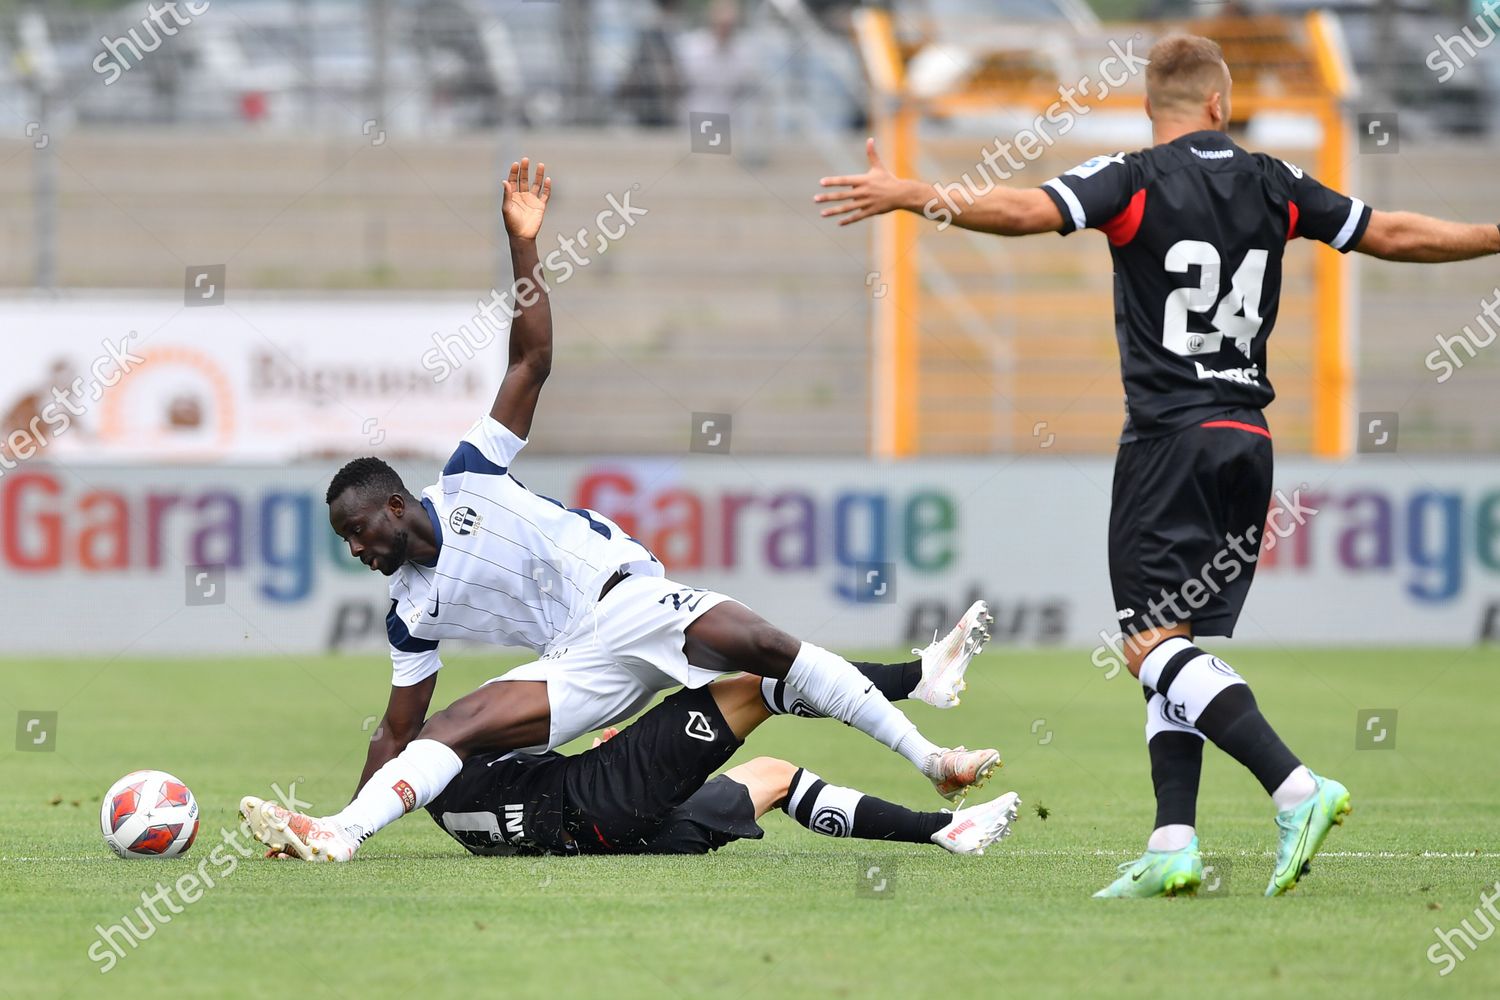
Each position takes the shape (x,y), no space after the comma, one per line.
(792,915)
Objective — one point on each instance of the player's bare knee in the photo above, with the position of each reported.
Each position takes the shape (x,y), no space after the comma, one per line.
(776,774)
(767,779)
(1140,647)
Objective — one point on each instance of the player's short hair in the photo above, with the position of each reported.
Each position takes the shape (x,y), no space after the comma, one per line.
(1184,70)
(365,476)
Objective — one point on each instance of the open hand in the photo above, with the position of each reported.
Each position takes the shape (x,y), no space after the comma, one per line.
(525,199)
(874,192)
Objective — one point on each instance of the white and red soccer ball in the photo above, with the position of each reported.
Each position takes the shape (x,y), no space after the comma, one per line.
(149,814)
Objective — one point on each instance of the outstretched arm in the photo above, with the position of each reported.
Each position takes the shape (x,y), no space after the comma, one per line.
(531,328)
(1407,236)
(1001,211)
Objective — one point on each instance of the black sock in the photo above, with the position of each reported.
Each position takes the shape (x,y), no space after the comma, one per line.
(1233,721)
(894,680)
(844,812)
(877,819)
(1176,764)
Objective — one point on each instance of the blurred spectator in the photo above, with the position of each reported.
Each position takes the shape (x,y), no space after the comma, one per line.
(653,84)
(717,61)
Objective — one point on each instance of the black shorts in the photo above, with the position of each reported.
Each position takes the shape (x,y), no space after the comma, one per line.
(716,814)
(1186,518)
(624,796)
(644,792)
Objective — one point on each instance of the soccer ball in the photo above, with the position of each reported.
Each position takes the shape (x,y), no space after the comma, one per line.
(149,814)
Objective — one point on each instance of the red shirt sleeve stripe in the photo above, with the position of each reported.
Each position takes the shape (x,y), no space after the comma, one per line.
(1123,227)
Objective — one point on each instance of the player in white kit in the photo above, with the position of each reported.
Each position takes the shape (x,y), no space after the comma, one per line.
(478,556)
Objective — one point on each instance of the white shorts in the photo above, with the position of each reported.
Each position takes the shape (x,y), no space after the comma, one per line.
(625,650)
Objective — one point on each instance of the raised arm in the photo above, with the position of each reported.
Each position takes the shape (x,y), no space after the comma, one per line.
(531,328)
(1001,211)
(1421,239)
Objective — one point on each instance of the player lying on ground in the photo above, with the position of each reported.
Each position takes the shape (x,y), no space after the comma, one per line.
(479,556)
(1197,227)
(647,790)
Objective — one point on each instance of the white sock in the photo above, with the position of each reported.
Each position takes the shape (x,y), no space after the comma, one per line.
(780,698)
(834,687)
(821,807)
(406,782)
(1172,837)
(1295,790)
(1195,684)
(1161,654)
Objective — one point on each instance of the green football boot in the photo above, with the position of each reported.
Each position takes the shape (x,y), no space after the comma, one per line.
(1302,831)
(1158,873)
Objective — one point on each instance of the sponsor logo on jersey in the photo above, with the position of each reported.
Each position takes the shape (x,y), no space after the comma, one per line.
(831,821)
(464,520)
(1244,376)
(698,727)
(407,793)
(1092,166)
(515,815)
(688,598)
(1125,613)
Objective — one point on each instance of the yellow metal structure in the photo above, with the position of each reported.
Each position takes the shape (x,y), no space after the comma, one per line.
(928,384)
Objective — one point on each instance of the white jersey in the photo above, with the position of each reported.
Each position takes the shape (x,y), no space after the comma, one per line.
(514,568)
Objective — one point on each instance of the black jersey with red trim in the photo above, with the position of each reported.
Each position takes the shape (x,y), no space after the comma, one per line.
(1197,228)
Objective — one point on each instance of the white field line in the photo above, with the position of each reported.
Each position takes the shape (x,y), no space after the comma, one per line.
(1081,852)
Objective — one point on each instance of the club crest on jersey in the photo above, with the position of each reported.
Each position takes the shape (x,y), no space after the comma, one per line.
(464,520)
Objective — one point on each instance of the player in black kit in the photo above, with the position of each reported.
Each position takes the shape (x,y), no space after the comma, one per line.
(1196,228)
(647,790)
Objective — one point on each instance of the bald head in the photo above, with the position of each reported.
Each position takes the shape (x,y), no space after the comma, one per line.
(1185,75)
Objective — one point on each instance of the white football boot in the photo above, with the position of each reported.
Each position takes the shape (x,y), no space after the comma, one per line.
(291,833)
(977,827)
(955,772)
(945,660)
